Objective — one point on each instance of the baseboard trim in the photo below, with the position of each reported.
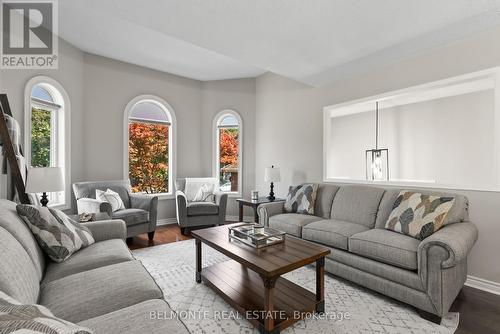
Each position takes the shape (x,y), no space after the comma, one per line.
(482,284)
(166,221)
(237,218)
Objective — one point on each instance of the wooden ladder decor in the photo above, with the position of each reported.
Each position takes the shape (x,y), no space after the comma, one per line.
(15,170)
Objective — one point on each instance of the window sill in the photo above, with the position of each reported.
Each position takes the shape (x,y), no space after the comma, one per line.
(232,194)
(161,196)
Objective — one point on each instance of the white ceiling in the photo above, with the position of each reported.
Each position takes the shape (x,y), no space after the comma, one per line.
(312,41)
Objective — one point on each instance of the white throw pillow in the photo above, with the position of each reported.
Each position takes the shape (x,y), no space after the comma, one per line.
(193,185)
(111,197)
(205,193)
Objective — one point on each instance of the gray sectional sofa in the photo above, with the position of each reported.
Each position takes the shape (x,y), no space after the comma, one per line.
(350,219)
(101,287)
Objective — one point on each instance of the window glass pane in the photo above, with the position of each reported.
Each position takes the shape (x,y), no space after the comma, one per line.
(229,120)
(41,93)
(149,111)
(228,158)
(40,137)
(148,157)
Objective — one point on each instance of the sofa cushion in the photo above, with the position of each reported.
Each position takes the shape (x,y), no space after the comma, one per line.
(386,246)
(99,291)
(152,316)
(301,199)
(418,215)
(132,216)
(331,232)
(100,254)
(15,225)
(16,317)
(18,274)
(459,212)
(291,223)
(357,204)
(202,208)
(324,200)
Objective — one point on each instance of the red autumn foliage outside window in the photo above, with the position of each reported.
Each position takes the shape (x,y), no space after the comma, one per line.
(148,157)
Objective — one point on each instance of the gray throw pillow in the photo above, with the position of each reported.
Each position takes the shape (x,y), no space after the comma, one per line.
(301,199)
(31,318)
(57,234)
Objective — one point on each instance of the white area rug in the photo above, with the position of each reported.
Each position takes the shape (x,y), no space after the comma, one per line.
(203,311)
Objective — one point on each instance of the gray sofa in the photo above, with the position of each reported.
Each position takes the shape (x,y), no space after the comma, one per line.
(101,287)
(140,212)
(196,214)
(350,219)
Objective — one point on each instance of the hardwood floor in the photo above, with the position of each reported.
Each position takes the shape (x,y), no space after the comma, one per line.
(479,310)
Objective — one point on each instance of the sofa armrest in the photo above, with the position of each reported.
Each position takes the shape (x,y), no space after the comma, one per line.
(181,207)
(148,203)
(268,210)
(457,239)
(92,205)
(107,229)
(221,201)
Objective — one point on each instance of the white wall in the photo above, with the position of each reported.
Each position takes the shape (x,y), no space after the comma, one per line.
(99,89)
(289,126)
(70,76)
(439,140)
(109,86)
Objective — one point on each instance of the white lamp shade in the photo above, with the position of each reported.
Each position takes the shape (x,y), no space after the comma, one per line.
(272,174)
(44,179)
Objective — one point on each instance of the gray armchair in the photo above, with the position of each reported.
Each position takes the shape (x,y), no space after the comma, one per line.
(193,214)
(140,211)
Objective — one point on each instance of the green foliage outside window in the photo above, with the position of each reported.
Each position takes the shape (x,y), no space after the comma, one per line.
(40,137)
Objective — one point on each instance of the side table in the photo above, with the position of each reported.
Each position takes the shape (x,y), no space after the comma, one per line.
(254,204)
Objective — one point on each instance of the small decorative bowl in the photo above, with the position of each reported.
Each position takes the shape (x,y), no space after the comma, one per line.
(258,229)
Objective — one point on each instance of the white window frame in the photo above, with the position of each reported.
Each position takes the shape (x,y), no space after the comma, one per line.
(172,137)
(215,149)
(458,85)
(61,140)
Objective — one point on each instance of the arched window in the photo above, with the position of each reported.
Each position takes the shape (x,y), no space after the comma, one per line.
(46,131)
(149,145)
(228,151)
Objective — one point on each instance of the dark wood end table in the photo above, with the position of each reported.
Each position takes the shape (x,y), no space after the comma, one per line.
(254,204)
(251,281)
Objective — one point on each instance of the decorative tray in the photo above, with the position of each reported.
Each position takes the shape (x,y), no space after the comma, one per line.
(263,237)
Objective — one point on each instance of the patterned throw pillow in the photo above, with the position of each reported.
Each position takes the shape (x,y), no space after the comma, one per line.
(205,194)
(111,197)
(18,318)
(301,199)
(418,215)
(57,234)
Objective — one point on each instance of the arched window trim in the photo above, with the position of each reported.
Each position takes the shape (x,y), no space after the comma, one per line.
(61,101)
(172,147)
(215,148)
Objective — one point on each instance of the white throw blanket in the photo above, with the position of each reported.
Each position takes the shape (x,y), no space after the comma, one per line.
(195,184)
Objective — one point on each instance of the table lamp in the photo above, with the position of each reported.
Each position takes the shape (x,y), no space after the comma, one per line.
(44,180)
(272,174)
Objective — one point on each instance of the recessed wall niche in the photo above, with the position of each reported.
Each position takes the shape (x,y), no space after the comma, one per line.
(444,134)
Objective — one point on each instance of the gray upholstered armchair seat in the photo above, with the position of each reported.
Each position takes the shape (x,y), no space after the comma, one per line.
(140,211)
(193,214)
(131,216)
(202,209)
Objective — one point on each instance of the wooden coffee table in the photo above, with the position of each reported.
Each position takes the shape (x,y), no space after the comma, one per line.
(251,281)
